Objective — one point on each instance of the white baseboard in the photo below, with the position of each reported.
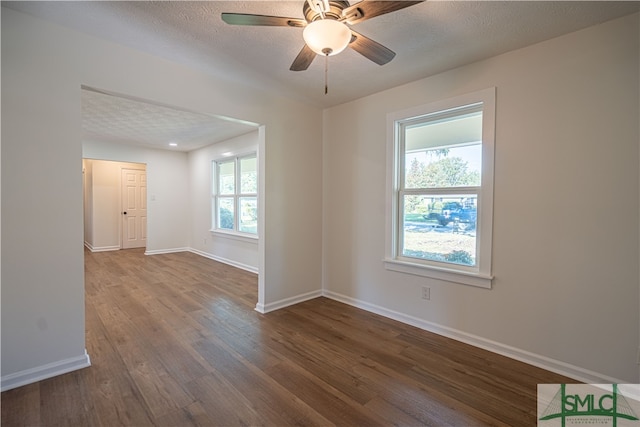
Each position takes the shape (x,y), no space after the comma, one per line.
(101,248)
(231,262)
(272,306)
(557,366)
(166,251)
(43,372)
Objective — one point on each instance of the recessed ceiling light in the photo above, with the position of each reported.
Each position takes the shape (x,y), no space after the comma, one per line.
(173,144)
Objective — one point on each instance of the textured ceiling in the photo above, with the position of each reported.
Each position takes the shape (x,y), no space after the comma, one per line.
(428,38)
(113,118)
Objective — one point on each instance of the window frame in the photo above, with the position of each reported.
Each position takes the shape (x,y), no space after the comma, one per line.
(237,196)
(481,274)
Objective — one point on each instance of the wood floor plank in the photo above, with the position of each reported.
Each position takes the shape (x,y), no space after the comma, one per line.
(422,401)
(242,342)
(161,392)
(21,406)
(116,398)
(313,355)
(193,415)
(64,407)
(182,324)
(180,361)
(341,328)
(270,399)
(394,415)
(174,340)
(320,395)
(223,403)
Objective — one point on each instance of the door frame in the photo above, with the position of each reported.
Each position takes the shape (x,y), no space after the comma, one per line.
(122,208)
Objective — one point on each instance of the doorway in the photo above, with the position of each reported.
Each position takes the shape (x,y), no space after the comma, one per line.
(176,145)
(111,189)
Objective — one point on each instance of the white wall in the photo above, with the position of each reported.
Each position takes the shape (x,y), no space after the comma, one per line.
(565,244)
(42,261)
(43,69)
(242,253)
(103,210)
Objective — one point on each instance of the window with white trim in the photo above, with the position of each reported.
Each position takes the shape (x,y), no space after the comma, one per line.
(440,178)
(235,195)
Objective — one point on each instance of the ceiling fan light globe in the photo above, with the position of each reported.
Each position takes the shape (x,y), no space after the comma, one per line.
(327,35)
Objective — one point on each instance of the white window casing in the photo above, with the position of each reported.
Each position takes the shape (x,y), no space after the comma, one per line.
(480,273)
(235,194)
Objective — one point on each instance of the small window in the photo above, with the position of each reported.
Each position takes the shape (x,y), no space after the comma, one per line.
(441,187)
(235,195)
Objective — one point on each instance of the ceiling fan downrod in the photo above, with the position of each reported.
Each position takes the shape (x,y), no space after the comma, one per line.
(327,51)
(320,6)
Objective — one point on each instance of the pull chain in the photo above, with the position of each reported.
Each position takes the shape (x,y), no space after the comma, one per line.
(326,74)
(327,51)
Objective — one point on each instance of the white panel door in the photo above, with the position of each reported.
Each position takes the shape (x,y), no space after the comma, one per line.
(134,208)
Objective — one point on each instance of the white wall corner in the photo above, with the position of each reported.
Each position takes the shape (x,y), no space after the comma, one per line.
(39,373)
(276,305)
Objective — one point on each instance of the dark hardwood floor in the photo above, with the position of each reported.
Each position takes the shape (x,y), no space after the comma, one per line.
(174,341)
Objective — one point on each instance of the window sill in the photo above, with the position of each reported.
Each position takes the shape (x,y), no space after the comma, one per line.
(234,235)
(450,275)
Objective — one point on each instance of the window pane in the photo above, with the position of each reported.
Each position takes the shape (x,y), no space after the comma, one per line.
(440,228)
(226,178)
(444,167)
(248,176)
(444,152)
(225,213)
(249,214)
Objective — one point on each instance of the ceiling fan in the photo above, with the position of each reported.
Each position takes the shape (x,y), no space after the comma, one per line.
(327,28)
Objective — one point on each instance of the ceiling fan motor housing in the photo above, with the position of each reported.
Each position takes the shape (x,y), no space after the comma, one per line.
(334,12)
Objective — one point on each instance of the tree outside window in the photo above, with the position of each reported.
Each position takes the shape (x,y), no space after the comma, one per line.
(235,198)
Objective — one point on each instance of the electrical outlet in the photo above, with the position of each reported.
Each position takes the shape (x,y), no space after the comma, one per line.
(426,292)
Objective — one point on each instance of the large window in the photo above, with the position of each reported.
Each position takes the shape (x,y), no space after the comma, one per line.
(235,195)
(441,187)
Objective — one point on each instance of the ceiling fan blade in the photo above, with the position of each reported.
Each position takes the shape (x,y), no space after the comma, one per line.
(273,21)
(367,9)
(303,60)
(370,49)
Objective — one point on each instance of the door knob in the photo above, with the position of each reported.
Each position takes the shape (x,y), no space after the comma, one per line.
(124,213)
